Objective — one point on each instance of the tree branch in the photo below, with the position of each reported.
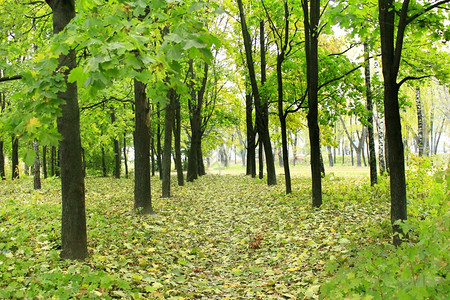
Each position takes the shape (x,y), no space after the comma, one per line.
(420,13)
(412,78)
(339,77)
(15,77)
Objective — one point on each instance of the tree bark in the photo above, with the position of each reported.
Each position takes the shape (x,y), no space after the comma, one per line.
(117,158)
(369,107)
(311,20)
(251,147)
(261,123)
(391,48)
(158,141)
(44,161)
(420,127)
(36,167)
(167,152)
(15,159)
(2,162)
(195,109)
(177,142)
(73,229)
(142,185)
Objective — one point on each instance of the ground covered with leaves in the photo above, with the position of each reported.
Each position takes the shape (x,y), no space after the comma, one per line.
(221,237)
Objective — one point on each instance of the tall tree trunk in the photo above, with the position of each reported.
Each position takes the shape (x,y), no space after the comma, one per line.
(177,142)
(330,156)
(369,106)
(420,127)
(2,162)
(152,154)
(44,161)
(36,167)
(125,155)
(195,107)
(117,158)
(391,48)
(73,229)
(142,185)
(15,159)
(2,154)
(201,165)
(167,152)
(311,20)
(251,153)
(262,125)
(158,141)
(264,108)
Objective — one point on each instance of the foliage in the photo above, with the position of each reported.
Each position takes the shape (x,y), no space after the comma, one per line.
(416,270)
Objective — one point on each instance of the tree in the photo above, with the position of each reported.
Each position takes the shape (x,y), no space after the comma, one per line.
(369,107)
(73,230)
(261,123)
(312,30)
(394,17)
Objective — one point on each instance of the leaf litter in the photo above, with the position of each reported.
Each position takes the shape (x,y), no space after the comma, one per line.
(221,237)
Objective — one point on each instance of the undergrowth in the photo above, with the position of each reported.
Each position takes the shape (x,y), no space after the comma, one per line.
(225,237)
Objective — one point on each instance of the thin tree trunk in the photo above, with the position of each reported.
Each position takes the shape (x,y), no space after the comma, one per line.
(158,141)
(369,106)
(330,156)
(262,125)
(117,160)
(167,152)
(15,158)
(36,167)
(177,142)
(125,155)
(251,154)
(52,161)
(420,127)
(2,162)
(44,161)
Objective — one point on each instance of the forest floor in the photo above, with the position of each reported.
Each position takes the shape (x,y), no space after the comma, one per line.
(221,237)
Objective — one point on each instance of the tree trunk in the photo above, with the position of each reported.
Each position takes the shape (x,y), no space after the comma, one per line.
(391,46)
(44,161)
(264,109)
(195,107)
(262,125)
(420,127)
(201,165)
(158,141)
(125,155)
(73,229)
(36,167)
(251,153)
(311,20)
(104,173)
(142,185)
(2,162)
(369,106)
(117,158)
(330,156)
(167,152)
(15,159)
(177,140)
